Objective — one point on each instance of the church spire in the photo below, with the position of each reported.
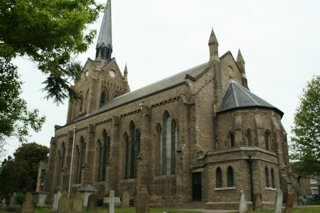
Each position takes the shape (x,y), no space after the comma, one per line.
(213,46)
(104,44)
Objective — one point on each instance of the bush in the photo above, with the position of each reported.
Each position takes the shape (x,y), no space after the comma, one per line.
(19,198)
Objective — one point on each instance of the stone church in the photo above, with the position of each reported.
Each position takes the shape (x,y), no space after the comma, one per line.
(200,136)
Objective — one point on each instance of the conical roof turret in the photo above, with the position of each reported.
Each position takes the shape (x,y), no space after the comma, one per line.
(104,43)
(213,46)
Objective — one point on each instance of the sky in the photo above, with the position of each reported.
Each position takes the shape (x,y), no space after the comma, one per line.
(279,40)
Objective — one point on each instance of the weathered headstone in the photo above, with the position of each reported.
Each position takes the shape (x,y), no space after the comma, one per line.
(243,203)
(258,199)
(13,199)
(278,203)
(77,205)
(86,191)
(143,202)
(27,206)
(64,204)
(56,199)
(111,201)
(92,202)
(291,201)
(39,198)
(125,201)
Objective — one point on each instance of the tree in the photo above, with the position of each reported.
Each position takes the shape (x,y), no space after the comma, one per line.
(50,33)
(306,130)
(15,119)
(20,173)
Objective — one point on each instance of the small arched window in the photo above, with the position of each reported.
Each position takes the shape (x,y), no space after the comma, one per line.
(230,175)
(231,139)
(266,171)
(218,178)
(249,137)
(273,184)
(103,97)
(267,140)
(127,156)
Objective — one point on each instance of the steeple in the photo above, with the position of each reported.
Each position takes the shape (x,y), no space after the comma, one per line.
(104,44)
(213,46)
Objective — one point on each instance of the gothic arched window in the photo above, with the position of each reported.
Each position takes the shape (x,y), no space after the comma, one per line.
(218,178)
(266,171)
(249,137)
(160,149)
(266,140)
(174,145)
(103,97)
(104,155)
(135,149)
(230,177)
(127,156)
(273,184)
(231,139)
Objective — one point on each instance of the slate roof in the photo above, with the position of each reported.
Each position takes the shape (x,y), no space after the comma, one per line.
(105,34)
(167,83)
(238,96)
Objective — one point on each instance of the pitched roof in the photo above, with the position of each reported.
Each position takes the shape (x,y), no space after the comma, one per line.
(167,83)
(238,96)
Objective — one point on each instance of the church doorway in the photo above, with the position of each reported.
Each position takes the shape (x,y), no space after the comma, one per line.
(196,186)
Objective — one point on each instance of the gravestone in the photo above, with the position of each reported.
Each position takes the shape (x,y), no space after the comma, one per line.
(13,199)
(278,203)
(243,203)
(291,202)
(143,202)
(77,205)
(39,198)
(56,199)
(64,204)
(27,206)
(92,203)
(125,201)
(111,201)
(258,199)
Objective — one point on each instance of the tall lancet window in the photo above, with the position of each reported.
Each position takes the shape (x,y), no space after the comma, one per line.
(170,144)
(168,147)
(160,149)
(266,139)
(99,150)
(249,137)
(127,156)
(230,176)
(58,177)
(218,178)
(104,155)
(174,145)
(134,150)
(266,171)
(81,160)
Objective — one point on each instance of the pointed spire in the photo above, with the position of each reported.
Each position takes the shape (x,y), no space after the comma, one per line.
(240,61)
(125,73)
(104,43)
(213,46)
(239,57)
(213,38)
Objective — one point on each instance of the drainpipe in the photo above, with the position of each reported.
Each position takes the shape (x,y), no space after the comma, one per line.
(250,161)
(72,153)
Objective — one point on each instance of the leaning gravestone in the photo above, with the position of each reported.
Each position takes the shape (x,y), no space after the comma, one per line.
(64,204)
(278,204)
(27,206)
(77,205)
(143,202)
(243,203)
(92,203)
(125,202)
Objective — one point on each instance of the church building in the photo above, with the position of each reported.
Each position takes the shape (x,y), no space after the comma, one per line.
(200,136)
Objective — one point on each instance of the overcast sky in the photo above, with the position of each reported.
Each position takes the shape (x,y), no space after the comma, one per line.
(279,40)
